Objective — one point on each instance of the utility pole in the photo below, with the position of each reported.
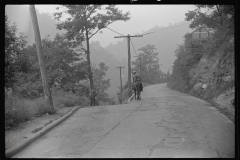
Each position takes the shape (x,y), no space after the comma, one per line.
(120,81)
(46,89)
(129,61)
(120,76)
(140,64)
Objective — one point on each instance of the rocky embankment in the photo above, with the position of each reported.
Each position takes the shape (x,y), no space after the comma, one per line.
(213,81)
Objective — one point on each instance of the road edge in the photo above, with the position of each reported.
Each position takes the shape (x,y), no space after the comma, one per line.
(15,149)
(129,100)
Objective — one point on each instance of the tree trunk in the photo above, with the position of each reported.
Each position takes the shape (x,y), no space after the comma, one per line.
(89,62)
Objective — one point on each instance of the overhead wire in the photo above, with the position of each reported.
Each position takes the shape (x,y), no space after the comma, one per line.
(116,32)
(102,39)
(149,32)
(133,46)
(114,83)
(164,29)
(104,60)
(145,34)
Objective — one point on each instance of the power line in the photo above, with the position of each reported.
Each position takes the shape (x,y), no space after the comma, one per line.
(115,31)
(133,46)
(164,29)
(102,39)
(129,61)
(104,60)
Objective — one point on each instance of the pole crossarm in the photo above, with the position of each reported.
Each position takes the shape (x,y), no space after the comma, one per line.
(128,36)
(120,36)
(137,36)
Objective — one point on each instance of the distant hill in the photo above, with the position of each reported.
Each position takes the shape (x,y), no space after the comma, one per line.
(47,25)
(97,55)
(165,41)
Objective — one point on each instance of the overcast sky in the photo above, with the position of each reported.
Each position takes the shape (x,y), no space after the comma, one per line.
(143,18)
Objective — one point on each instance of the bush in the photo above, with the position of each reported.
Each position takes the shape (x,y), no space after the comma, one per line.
(68,99)
(42,108)
(16,112)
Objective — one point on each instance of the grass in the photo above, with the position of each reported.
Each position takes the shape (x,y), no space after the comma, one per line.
(16,112)
(19,110)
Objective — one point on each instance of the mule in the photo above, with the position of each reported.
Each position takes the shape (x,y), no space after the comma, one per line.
(134,89)
(138,91)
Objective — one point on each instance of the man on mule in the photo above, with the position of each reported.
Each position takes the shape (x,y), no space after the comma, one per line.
(136,80)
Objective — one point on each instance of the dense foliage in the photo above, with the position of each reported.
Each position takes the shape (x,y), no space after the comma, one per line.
(101,84)
(65,67)
(13,47)
(219,21)
(67,73)
(65,64)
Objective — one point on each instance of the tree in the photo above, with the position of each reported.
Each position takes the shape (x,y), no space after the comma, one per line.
(100,82)
(149,64)
(65,64)
(65,67)
(83,23)
(13,47)
(215,17)
(219,20)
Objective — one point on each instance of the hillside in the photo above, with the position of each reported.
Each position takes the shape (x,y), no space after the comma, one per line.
(211,79)
(98,55)
(206,69)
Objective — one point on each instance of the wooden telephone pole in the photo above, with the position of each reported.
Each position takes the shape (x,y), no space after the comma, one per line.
(120,77)
(46,89)
(120,81)
(129,61)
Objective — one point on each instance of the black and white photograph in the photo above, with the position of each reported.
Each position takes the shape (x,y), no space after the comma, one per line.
(120,80)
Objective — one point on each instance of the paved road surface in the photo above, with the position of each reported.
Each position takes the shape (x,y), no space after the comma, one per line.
(165,123)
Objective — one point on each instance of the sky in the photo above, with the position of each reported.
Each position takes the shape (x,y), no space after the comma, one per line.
(143,18)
